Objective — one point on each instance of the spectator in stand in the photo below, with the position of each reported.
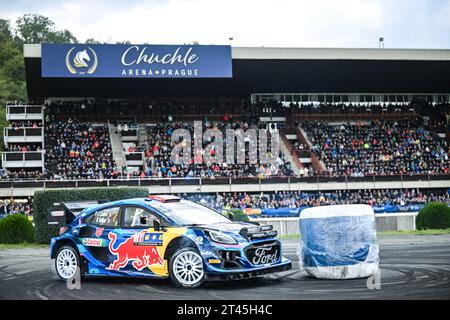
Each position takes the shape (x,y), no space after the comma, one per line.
(76,150)
(81,150)
(21,174)
(378,148)
(9,206)
(26,124)
(296,199)
(158,147)
(23,148)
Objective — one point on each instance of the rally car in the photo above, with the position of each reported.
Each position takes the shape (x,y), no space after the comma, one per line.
(164,236)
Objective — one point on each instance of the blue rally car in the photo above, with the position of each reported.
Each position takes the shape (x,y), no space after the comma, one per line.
(165,236)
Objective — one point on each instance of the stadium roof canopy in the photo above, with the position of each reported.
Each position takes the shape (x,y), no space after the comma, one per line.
(264,70)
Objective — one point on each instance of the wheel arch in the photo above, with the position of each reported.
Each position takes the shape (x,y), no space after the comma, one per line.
(61,243)
(178,243)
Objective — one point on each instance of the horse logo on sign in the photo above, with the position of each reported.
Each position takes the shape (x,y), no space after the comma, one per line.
(82,62)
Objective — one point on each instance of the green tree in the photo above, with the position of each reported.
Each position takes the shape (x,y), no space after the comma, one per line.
(3,122)
(5,31)
(34,28)
(12,71)
(123,42)
(31,28)
(92,41)
(64,36)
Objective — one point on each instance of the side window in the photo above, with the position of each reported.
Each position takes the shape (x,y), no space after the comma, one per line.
(135,217)
(107,217)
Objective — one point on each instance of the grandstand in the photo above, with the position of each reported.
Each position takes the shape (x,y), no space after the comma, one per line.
(355,125)
(269,203)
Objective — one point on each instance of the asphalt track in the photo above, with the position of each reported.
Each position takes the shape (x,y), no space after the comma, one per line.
(412,267)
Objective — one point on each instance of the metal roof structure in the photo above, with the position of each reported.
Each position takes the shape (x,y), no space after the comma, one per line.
(272,53)
(269,70)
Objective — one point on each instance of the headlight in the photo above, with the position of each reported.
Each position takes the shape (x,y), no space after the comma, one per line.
(221,237)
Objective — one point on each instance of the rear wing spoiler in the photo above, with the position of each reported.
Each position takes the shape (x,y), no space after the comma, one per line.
(62,213)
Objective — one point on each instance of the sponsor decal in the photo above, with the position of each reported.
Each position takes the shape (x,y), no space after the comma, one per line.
(149,239)
(251,211)
(59,213)
(262,257)
(141,256)
(94,242)
(99,232)
(199,240)
(258,235)
(214,261)
(264,234)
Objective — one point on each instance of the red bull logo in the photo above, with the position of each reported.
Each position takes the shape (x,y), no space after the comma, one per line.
(141,255)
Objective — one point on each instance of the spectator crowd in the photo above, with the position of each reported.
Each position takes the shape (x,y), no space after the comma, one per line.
(287,199)
(296,199)
(75,150)
(25,124)
(111,110)
(378,148)
(11,206)
(158,147)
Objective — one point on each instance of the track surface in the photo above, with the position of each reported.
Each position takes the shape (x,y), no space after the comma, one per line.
(412,267)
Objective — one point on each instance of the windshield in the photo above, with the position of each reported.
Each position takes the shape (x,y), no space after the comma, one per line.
(187,213)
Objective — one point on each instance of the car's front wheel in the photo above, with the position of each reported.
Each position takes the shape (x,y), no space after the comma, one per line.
(186,268)
(67,262)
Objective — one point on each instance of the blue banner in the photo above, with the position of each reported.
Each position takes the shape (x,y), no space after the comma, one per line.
(282,212)
(135,61)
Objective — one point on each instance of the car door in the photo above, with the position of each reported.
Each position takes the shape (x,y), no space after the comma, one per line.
(94,236)
(136,246)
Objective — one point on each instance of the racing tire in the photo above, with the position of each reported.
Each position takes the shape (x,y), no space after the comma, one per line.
(186,268)
(67,261)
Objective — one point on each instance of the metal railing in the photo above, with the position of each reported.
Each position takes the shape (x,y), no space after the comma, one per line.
(24,112)
(150,181)
(22,156)
(23,132)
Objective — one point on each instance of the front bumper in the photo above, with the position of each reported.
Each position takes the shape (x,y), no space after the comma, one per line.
(248,273)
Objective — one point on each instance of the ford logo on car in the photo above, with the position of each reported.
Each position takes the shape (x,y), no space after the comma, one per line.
(261,257)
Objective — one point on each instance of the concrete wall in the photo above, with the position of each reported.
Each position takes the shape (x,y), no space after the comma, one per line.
(284,226)
(396,221)
(384,222)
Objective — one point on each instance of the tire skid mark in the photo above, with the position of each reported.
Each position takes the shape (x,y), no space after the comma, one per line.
(404,274)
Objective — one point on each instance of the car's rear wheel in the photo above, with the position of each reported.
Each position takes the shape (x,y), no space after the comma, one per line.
(186,268)
(67,262)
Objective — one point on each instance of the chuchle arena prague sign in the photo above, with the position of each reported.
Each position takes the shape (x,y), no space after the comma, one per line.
(136,61)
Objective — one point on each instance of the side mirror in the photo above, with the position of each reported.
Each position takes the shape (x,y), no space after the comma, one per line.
(156,225)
